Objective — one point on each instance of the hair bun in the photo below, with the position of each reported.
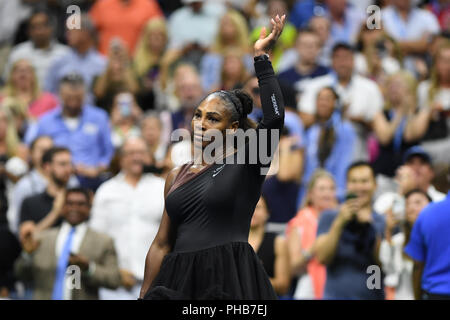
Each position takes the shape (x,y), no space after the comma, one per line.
(245,99)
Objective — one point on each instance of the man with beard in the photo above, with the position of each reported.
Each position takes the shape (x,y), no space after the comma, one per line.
(43,210)
(56,256)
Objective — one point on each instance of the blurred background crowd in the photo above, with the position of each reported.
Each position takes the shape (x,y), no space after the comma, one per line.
(86,116)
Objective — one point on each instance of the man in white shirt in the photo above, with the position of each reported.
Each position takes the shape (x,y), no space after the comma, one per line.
(411,27)
(129,207)
(359,97)
(196,22)
(40,50)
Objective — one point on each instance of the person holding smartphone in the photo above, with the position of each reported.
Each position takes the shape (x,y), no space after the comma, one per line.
(348,240)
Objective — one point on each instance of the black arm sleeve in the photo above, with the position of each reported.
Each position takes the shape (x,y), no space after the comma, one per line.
(273,112)
(271,97)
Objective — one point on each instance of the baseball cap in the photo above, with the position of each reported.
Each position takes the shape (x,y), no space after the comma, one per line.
(416,151)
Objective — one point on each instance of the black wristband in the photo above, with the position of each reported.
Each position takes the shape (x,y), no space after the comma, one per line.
(263,57)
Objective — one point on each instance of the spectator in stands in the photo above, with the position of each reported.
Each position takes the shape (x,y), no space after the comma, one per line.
(203,17)
(417,172)
(82,128)
(378,54)
(398,267)
(271,249)
(411,27)
(76,245)
(231,36)
(128,207)
(117,77)
(149,62)
(301,234)
(123,19)
(124,118)
(307,65)
(43,210)
(346,21)
(433,119)
(12,13)
(233,71)
(151,132)
(32,183)
(283,180)
(303,11)
(41,50)
(394,127)
(330,143)
(428,247)
(353,91)
(322,26)
(22,93)
(9,252)
(348,240)
(287,38)
(82,58)
(189,91)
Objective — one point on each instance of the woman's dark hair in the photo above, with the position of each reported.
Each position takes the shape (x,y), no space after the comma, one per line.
(240,105)
(417,190)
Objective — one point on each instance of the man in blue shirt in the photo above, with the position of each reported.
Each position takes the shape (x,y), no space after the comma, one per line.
(429,247)
(348,241)
(80,127)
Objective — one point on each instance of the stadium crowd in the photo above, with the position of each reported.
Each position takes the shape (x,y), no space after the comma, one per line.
(88,103)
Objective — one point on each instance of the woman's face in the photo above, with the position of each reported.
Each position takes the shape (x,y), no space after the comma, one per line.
(232,66)
(151,130)
(157,40)
(22,74)
(260,215)
(443,65)
(396,90)
(414,204)
(228,30)
(325,104)
(211,115)
(323,194)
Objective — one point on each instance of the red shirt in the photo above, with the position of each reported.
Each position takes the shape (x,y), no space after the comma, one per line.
(113,18)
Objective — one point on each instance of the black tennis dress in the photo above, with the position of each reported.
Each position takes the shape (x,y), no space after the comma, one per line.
(211,211)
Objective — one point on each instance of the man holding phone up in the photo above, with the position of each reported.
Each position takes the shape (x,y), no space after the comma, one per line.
(348,240)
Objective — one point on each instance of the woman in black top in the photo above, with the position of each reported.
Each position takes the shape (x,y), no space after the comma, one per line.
(201,250)
(271,249)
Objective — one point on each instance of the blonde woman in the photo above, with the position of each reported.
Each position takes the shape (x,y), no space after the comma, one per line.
(301,234)
(22,91)
(117,77)
(393,127)
(232,35)
(434,107)
(379,54)
(149,62)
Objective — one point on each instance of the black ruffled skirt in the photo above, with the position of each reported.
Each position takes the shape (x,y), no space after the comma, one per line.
(231,271)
